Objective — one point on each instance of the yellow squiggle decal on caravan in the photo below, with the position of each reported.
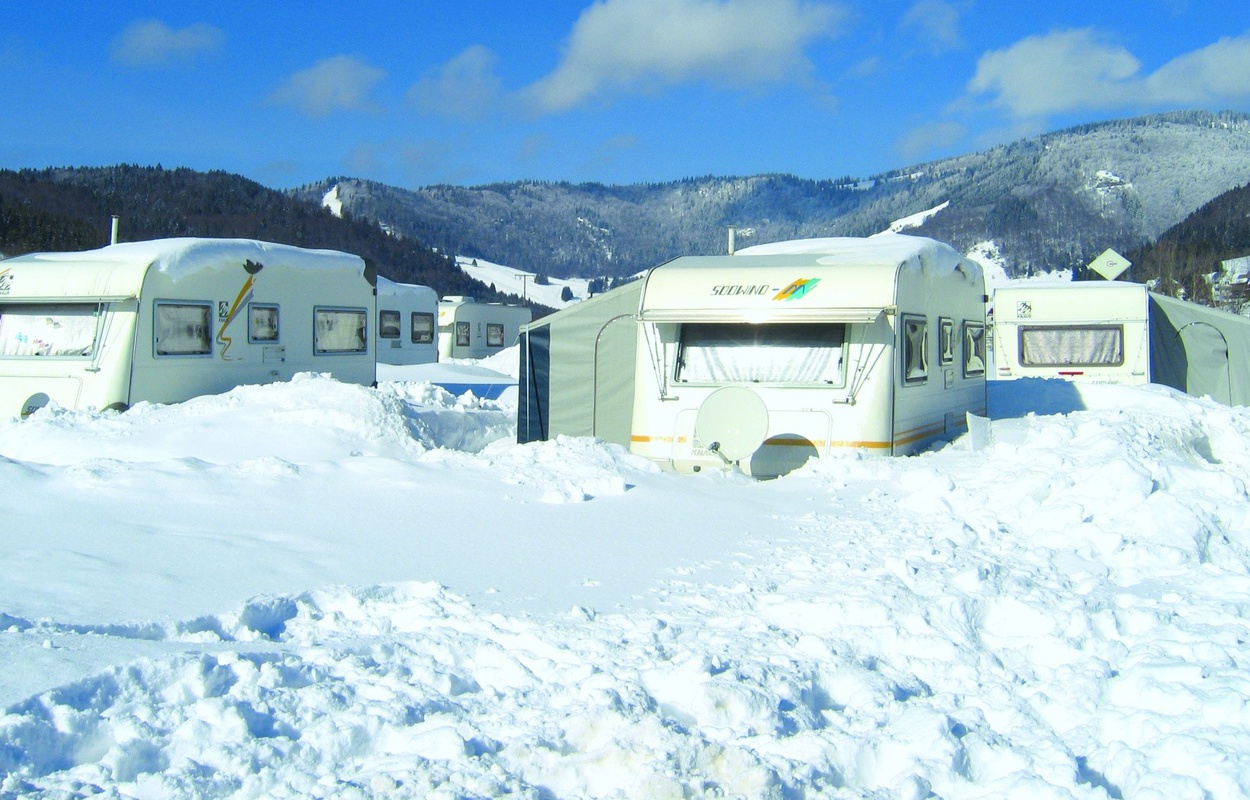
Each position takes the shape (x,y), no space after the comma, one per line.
(797,289)
(245,295)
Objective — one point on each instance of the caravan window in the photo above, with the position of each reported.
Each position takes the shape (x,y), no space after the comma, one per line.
(48,329)
(183,329)
(974,349)
(946,341)
(262,323)
(914,346)
(462,334)
(388,324)
(740,352)
(422,328)
(340,330)
(1071,345)
(494,334)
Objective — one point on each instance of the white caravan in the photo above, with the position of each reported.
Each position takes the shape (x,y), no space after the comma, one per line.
(768,357)
(167,320)
(407,320)
(469,329)
(1090,331)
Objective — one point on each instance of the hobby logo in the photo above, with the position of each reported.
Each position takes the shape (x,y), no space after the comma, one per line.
(797,289)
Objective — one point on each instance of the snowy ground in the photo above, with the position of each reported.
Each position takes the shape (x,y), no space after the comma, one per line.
(321,590)
(521,284)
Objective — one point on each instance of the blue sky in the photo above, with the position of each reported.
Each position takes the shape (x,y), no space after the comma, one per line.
(614,91)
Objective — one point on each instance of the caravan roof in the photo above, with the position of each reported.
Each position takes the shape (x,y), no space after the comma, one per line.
(781,281)
(117,271)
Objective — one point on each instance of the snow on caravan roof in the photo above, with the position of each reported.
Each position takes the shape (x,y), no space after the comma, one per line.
(849,279)
(118,270)
(394,289)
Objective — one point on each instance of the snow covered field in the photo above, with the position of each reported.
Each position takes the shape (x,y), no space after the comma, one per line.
(321,590)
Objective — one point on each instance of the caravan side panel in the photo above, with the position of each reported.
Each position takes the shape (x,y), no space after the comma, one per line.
(807,351)
(1089,331)
(243,317)
(66,331)
(468,329)
(407,324)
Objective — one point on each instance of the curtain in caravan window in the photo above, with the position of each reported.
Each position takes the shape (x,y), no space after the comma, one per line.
(340,330)
(1071,346)
(388,324)
(974,349)
(768,353)
(183,329)
(48,329)
(262,324)
(422,328)
(494,334)
(915,347)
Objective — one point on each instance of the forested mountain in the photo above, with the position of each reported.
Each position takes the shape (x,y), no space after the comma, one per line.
(1051,202)
(71,209)
(1186,256)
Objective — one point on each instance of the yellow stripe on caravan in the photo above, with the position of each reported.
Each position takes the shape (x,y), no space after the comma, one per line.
(916,434)
(641,439)
(662,439)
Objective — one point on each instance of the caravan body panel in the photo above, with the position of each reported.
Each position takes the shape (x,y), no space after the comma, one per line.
(469,329)
(407,323)
(769,357)
(1089,331)
(868,344)
(167,320)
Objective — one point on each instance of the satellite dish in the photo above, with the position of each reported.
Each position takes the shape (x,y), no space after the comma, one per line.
(732,423)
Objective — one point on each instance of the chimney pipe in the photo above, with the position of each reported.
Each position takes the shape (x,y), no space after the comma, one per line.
(113,233)
(732,231)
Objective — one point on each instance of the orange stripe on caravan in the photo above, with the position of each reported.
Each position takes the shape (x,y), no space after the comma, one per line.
(904,437)
(916,434)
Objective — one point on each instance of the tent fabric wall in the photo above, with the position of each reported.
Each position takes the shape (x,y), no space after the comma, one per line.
(1199,350)
(577,369)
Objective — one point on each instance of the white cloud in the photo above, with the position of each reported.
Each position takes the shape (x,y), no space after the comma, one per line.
(936,23)
(1057,72)
(152,43)
(465,88)
(340,83)
(1220,71)
(647,45)
(1073,70)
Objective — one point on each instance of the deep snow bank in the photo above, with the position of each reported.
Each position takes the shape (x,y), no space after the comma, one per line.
(1061,613)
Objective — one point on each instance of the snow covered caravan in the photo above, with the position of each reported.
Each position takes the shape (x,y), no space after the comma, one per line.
(1118,332)
(407,315)
(769,356)
(1094,331)
(167,320)
(469,329)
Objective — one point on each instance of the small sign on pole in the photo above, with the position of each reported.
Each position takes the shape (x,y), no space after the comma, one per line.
(1110,264)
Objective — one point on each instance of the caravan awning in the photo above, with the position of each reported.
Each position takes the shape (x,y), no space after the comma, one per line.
(854,316)
(58,298)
